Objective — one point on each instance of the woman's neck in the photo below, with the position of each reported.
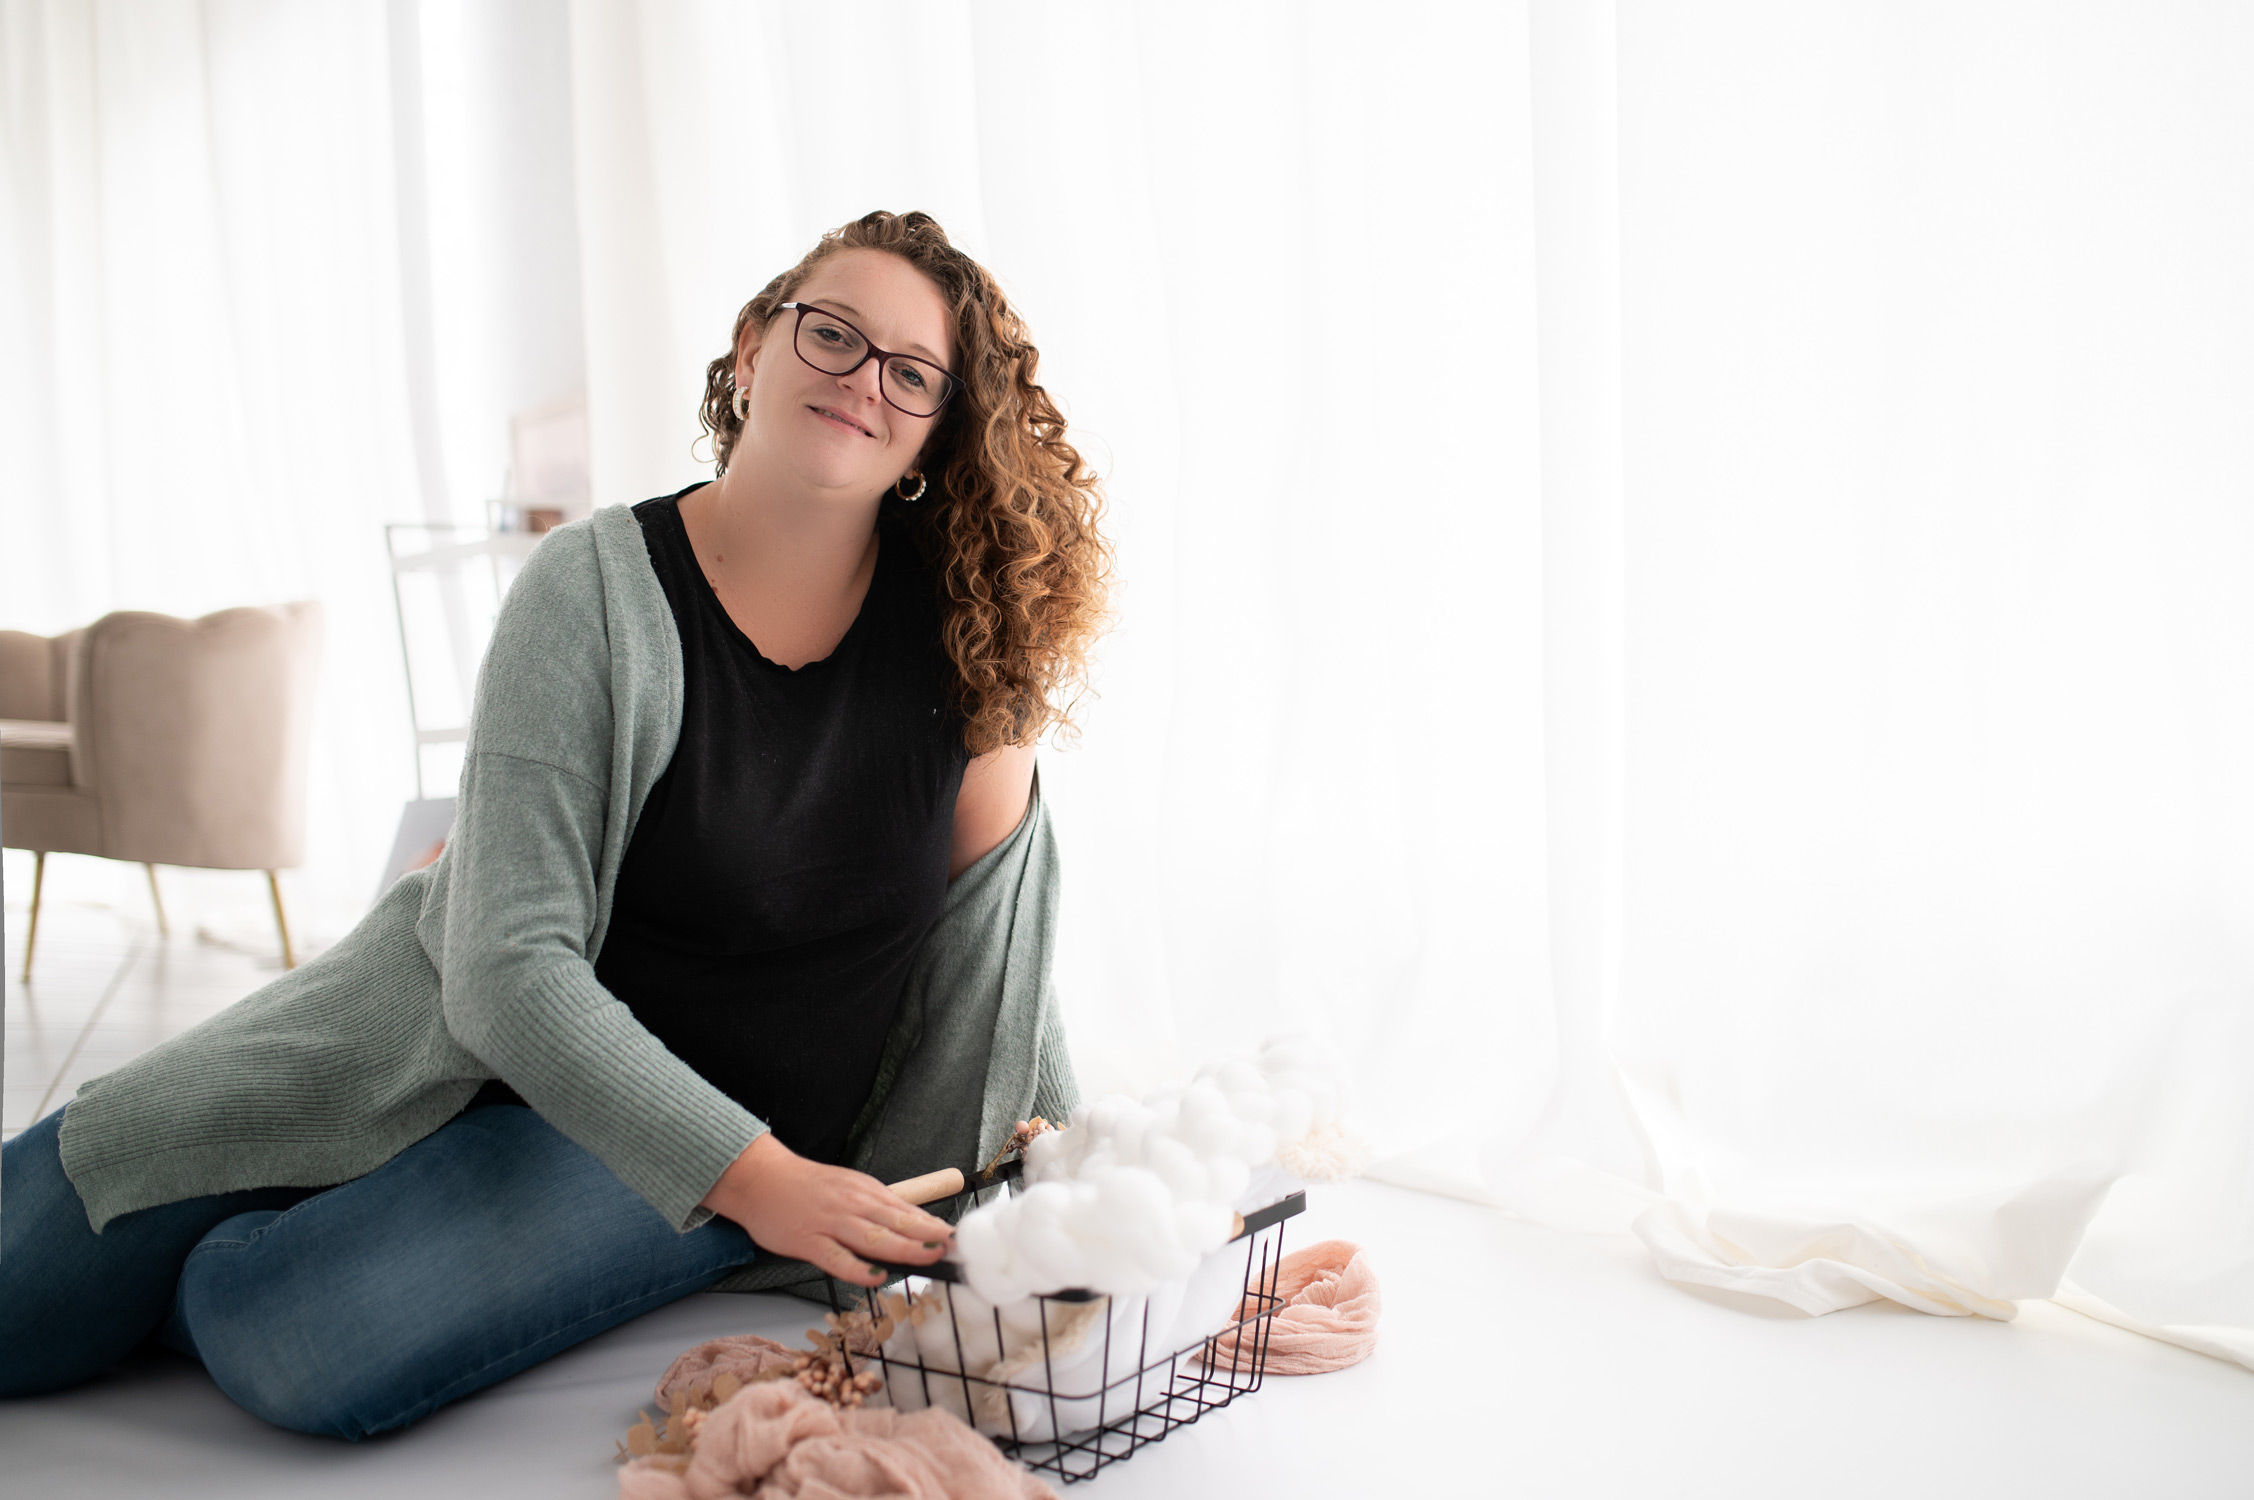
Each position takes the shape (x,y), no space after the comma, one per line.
(790,567)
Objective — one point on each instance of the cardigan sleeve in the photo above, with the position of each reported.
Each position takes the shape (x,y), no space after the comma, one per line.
(520,896)
(1056,1088)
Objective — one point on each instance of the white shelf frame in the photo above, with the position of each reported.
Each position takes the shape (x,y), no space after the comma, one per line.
(494,547)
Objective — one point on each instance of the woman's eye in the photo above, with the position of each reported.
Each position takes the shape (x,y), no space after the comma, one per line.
(829,335)
(912,377)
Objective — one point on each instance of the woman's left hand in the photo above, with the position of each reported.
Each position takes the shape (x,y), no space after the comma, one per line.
(832,1217)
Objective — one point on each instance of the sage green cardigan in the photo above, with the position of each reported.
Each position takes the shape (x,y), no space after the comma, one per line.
(482,966)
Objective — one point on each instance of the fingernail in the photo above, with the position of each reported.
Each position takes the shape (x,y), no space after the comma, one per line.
(931,1244)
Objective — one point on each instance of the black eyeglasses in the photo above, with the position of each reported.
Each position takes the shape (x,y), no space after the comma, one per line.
(835,347)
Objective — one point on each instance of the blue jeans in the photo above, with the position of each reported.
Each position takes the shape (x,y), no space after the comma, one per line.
(479,1251)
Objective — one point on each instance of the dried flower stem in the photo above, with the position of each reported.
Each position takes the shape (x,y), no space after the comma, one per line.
(1018,1141)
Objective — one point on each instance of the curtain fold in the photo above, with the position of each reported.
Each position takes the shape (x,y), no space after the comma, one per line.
(1937,652)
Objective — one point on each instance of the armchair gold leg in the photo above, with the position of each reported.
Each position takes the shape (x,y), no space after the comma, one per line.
(164,929)
(281,922)
(31,932)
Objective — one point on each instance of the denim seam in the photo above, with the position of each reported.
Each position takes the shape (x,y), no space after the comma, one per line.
(282,1217)
(432,1402)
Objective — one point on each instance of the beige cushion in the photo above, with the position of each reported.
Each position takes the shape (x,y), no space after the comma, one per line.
(55,819)
(34,752)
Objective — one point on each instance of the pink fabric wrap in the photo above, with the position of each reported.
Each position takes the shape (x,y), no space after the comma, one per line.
(776,1441)
(749,1358)
(1328,1319)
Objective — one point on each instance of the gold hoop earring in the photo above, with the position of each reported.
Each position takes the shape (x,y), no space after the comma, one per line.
(741,403)
(909,499)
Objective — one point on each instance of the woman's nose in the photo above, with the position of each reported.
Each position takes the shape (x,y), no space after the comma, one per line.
(862,381)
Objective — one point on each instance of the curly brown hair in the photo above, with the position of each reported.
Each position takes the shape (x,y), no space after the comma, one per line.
(1009,518)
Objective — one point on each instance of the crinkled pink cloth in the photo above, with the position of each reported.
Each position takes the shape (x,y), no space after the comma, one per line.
(748,1357)
(776,1441)
(1329,1315)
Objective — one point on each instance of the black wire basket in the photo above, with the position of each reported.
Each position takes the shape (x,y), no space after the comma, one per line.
(1069,1424)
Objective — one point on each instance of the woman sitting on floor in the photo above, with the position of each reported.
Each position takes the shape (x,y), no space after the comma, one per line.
(750,881)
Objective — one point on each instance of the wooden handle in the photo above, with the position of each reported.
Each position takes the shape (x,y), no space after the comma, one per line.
(948,1181)
(931,1187)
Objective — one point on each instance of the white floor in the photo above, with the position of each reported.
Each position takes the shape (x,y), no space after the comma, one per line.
(1514,1360)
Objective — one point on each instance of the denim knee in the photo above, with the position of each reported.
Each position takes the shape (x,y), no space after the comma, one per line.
(263,1351)
(318,1409)
(481,1250)
(73,1302)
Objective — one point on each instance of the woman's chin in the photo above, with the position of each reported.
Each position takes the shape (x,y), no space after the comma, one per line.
(850,484)
(831,464)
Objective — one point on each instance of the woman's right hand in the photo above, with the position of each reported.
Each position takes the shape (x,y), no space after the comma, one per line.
(831,1217)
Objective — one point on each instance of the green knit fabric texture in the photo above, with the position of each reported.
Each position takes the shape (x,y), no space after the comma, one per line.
(482,966)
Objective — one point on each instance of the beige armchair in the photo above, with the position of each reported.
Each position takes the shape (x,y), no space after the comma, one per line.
(162,741)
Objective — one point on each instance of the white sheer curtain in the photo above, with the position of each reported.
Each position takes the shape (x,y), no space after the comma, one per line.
(1681,566)
(271,276)
(1939,659)
(203,388)
(1677,577)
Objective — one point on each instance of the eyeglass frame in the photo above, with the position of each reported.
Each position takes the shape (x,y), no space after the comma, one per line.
(881,356)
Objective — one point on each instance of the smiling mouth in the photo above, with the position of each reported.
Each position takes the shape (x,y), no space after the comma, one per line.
(840,417)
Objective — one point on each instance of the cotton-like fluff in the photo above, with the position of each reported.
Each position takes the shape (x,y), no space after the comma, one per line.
(1134,1193)
(1041,1368)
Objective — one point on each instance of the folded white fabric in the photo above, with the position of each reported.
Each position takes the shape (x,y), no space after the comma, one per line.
(1967,1254)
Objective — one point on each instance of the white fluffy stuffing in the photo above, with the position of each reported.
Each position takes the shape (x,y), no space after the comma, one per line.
(1134,1193)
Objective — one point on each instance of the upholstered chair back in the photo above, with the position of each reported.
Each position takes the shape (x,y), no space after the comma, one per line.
(33,672)
(196,733)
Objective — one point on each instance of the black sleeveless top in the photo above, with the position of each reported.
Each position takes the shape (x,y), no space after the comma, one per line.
(794,853)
